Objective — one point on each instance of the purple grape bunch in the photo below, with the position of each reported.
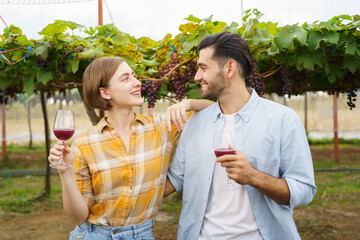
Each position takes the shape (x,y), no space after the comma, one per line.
(286,79)
(150,89)
(255,81)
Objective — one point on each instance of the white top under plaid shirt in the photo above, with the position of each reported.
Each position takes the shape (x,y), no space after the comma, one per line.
(123,188)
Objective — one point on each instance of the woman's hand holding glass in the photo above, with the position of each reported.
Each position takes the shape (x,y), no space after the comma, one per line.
(64,128)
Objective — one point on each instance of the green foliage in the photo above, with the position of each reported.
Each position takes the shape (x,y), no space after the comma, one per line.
(321,55)
(330,141)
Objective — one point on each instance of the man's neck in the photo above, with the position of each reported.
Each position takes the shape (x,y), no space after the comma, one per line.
(234,100)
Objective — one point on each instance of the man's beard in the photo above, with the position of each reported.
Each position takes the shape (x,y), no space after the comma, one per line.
(215,89)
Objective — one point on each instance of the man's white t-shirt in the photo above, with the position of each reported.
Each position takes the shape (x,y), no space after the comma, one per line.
(228,214)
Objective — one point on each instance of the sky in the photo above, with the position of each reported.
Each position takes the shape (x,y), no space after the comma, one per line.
(156,18)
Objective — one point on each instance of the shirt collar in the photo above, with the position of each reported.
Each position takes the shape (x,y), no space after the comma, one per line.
(103,123)
(246,112)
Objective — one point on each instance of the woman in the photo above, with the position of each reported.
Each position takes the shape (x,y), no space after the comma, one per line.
(117,182)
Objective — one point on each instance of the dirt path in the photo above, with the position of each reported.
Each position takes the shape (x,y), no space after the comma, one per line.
(55,225)
(313,223)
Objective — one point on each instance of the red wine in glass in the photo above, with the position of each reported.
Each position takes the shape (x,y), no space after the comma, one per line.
(64,134)
(223,145)
(223,151)
(64,128)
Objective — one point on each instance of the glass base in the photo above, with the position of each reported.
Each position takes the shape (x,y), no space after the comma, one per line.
(60,165)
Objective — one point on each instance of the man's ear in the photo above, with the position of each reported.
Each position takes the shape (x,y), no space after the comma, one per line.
(104,93)
(231,68)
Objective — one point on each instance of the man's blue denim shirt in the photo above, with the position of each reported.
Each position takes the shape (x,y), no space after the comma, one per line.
(274,140)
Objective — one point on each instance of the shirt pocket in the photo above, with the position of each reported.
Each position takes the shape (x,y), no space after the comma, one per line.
(269,165)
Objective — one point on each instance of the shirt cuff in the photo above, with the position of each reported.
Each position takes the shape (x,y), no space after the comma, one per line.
(174,181)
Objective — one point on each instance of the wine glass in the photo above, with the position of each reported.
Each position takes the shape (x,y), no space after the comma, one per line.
(64,128)
(223,145)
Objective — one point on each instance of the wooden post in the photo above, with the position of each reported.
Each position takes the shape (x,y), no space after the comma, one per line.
(100,13)
(100,22)
(336,130)
(47,142)
(3,127)
(306,116)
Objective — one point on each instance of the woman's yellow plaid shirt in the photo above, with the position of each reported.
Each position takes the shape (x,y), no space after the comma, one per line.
(123,187)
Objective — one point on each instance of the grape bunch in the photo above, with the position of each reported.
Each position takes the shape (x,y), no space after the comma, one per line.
(351,98)
(179,76)
(286,79)
(150,89)
(255,81)
(43,63)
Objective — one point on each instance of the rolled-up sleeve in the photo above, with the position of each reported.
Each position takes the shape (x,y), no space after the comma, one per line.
(296,162)
(177,167)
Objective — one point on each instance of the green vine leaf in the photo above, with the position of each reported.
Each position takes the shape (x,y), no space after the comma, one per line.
(92,53)
(55,28)
(22,40)
(191,18)
(287,35)
(327,36)
(28,85)
(72,65)
(351,48)
(310,60)
(188,45)
(44,76)
(351,63)
(41,49)
(335,72)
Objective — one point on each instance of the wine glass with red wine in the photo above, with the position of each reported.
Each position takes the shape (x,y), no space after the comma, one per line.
(224,144)
(64,128)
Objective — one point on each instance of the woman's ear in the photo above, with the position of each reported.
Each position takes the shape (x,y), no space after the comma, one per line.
(104,93)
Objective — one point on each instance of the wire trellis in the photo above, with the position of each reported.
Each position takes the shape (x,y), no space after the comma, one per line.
(41,1)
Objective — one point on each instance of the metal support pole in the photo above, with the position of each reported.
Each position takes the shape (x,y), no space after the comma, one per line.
(336,130)
(3,132)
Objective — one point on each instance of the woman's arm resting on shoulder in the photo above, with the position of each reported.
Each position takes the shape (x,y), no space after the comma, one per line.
(177,113)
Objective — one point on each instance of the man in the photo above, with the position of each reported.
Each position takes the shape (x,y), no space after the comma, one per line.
(271,171)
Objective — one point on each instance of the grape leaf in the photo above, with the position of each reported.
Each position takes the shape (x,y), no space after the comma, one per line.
(194,93)
(55,28)
(191,18)
(310,60)
(41,49)
(17,55)
(12,29)
(260,37)
(351,48)
(285,38)
(22,40)
(72,65)
(335,72)
(28,85)
(44,76)
(208,19)
(92,53)
(219,26)
(233,27)
(163,90)
(351,63)
(188,45)
(327,36)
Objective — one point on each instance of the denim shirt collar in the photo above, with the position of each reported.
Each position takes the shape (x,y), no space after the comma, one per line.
(246,112)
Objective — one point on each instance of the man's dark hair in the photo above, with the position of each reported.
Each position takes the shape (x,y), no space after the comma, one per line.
(228,46)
